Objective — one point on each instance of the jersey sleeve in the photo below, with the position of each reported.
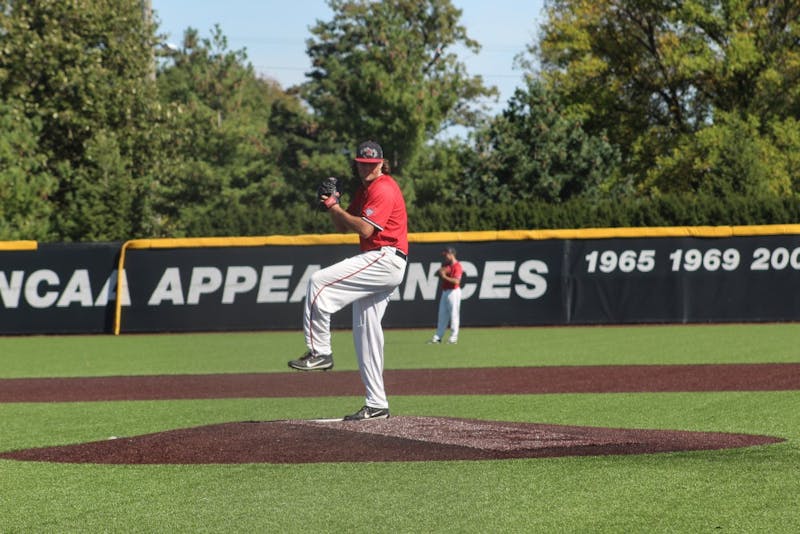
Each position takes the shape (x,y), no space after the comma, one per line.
(457,272)
(377,205)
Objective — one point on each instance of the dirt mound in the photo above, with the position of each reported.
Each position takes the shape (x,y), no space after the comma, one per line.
(394,439)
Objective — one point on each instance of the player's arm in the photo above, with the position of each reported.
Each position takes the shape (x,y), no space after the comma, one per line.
(345,222)
(443,275)
(455,274)
(328,197)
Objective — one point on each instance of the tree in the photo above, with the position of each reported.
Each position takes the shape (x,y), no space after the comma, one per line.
(385,70)
(25,184)
(730,157)
(533,151)
(79,70)
(440,173)
(654,74)
(305,152)
(222,140)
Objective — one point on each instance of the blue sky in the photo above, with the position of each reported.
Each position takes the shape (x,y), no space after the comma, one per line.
(273,33)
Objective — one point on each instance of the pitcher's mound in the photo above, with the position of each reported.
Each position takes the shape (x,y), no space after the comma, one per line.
(387,440)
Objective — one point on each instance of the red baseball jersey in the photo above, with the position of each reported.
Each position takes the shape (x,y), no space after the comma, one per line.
(453,270)
(381,204)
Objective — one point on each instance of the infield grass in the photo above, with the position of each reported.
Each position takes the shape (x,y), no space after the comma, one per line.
(741,490)
(256,352)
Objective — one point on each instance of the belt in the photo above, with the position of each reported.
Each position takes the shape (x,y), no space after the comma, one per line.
(396,251)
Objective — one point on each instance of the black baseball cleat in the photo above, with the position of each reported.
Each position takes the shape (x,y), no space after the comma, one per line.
(311,361)
(368,412)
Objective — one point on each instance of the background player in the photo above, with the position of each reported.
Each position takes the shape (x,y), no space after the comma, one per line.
(450,301)
(378,215)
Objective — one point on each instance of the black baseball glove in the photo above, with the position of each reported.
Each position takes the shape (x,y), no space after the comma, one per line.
(328,193)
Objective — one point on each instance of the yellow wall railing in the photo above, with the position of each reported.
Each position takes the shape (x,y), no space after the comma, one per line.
(18,245)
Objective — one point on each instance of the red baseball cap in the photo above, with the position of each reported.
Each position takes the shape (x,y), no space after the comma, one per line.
(369,152)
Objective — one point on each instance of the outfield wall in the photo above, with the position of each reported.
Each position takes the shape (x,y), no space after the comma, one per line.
(513,278)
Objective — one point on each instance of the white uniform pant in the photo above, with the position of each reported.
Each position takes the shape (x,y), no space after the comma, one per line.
(449,313)
(366,281)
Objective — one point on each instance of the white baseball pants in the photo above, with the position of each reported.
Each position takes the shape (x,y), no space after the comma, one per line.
(449,313)
(366,281)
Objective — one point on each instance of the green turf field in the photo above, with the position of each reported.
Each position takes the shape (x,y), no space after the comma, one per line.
(743,490)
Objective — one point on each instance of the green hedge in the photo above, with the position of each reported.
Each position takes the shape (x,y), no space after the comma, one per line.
(672,210)
(669,210)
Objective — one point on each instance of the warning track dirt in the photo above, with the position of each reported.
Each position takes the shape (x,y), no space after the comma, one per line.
(462,381)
